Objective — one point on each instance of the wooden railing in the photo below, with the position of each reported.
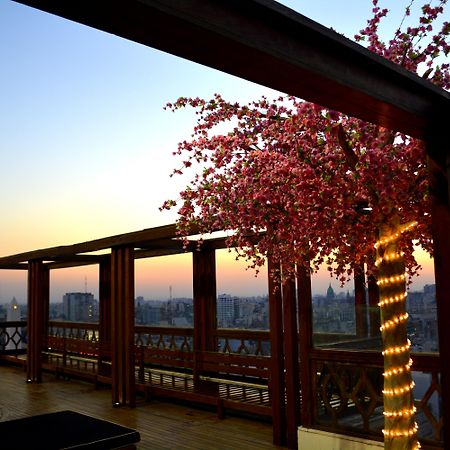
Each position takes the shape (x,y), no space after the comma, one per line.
(347,388)
(13,337)
(243,342)
(236,376)
(345,385)
(72,348)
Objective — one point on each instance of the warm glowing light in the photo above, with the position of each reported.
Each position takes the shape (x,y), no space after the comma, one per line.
(396,235)
(389,257)
(402,413)
(391,280)
(400,390)
(394,299)
(396,350)
(398,370)
(399,433)
(395,321)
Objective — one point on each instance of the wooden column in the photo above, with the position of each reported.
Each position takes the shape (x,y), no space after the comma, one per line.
(360,305)
(205,298)
(122,326)
(305,320)
(439,171)
(291,363)
(374,309)
(205,315)
(277,360)
(105,323)
(38,304)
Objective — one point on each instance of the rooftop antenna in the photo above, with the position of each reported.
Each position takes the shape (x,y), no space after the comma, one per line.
(85,284)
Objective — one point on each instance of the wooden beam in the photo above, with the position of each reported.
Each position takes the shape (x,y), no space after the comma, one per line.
(267,43)
(128,239)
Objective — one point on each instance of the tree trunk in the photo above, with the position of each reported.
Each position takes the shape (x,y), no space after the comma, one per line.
(400,427)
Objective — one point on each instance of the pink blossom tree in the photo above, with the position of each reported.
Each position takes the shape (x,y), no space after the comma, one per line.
(306,173)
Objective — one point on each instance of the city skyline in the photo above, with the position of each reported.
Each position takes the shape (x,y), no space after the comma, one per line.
(235,282)
(82,109)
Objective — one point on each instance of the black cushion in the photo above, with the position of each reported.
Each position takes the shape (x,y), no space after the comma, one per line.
(64,430)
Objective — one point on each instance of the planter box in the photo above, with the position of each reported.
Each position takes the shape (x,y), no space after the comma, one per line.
(309,438)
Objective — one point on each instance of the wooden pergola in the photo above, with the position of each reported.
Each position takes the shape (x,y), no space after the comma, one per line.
(293,54)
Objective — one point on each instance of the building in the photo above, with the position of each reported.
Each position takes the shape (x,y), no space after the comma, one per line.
(79,307)
(225,310)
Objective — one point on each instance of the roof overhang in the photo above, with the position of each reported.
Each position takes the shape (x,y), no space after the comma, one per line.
(267,43)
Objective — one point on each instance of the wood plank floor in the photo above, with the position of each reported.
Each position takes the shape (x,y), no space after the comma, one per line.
(162,425)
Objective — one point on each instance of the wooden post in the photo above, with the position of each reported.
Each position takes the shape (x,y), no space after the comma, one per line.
(277,359)
(360,305)
(374,310)
(38,304)
(205,317)
(205,298)
(105,323)
(291,362)
(122,329)
(305,320)
(439,172)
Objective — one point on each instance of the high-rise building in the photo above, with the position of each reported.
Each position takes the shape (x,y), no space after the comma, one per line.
(225,310)
(79,307)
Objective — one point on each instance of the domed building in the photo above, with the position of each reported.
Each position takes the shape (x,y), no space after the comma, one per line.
(331,295)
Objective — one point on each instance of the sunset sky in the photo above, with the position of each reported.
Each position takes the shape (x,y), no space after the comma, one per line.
(86,145)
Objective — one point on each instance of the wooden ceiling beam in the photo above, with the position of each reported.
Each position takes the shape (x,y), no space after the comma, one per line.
(267,43)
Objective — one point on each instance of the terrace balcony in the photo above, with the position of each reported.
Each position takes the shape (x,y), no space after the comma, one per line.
(282,377)
(298,382)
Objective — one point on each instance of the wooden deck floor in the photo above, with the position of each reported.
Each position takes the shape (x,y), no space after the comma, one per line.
(162,425)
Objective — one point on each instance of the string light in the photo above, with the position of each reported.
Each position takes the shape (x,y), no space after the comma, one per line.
(395,321)
(398,370)
(402,413)
(391,280)
(396,235)
(397,350)
(400,390)
(399,433)
(394,299)
(389,257)
(395,282)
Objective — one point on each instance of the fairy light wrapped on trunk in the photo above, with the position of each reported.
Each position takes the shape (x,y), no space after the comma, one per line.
(400,428)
